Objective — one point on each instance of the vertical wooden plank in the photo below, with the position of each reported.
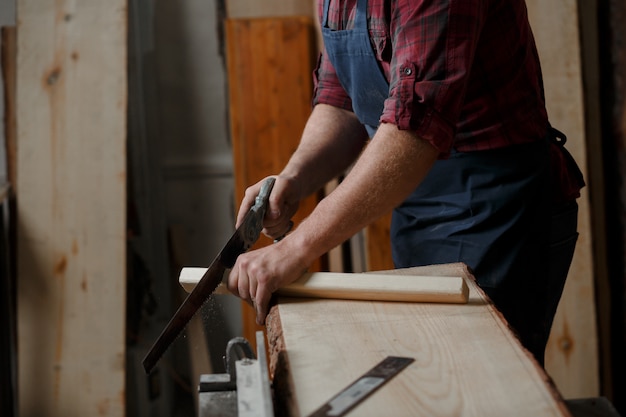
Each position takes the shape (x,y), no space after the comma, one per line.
(589,26)
(9,45)
(378,244)
(8,391)
(571,356)
(71,130)
(270,88)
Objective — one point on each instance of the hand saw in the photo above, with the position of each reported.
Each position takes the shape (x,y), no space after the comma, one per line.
(244,237)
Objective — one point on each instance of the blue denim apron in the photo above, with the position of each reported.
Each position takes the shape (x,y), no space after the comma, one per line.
(489,209)
(351,53)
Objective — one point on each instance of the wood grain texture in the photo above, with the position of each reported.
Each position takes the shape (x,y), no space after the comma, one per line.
(270,88)
(467,361)
(71,207)
(373,287)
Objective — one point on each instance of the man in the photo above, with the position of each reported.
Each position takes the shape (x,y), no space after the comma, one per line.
(450,92)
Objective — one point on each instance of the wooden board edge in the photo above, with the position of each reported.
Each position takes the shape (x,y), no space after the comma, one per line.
(280,374)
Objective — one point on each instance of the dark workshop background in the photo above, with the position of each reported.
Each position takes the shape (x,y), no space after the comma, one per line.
(116,169)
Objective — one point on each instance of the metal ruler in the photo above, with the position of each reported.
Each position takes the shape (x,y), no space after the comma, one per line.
(360,389)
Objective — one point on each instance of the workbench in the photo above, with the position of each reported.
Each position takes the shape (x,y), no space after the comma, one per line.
(468,362)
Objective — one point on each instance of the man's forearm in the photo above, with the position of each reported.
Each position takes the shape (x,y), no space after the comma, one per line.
(388,170)
(332,140)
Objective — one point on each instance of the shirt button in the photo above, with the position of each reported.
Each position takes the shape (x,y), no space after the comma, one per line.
(408,71)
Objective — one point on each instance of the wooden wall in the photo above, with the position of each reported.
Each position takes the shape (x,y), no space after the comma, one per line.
(71,207)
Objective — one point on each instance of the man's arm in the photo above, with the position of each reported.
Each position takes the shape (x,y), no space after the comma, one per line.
(332,140)
(388,170)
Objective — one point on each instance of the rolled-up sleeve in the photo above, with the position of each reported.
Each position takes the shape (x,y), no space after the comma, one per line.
(326,86)
(433,50)
(426,50)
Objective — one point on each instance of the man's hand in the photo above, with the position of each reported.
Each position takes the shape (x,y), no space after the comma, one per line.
(283,203)
(259,273)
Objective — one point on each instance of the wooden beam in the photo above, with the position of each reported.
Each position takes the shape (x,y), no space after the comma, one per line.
(369,287)
(71,207)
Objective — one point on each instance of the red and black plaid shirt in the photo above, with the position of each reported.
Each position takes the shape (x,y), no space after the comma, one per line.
(462,74)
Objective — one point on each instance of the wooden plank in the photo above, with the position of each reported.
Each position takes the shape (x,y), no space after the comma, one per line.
(370,287)
(238,9)
(467,361)
(71,205)
(589,22)
(571,355)
(9,76)
(378,244)
(269,65)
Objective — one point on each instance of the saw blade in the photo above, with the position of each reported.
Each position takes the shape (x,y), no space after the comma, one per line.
(364,386)
(243,238)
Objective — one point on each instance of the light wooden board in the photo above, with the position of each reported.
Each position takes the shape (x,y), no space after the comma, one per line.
(368,287)
(71,207)
(572,352)
(467,362)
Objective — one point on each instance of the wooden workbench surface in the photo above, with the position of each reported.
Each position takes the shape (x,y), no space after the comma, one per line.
(467,361)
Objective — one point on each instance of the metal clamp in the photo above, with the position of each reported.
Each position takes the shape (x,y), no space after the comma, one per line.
(244,390)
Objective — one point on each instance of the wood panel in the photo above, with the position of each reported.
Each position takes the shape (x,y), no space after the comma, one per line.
(467,361)
(71,206)
(270,89)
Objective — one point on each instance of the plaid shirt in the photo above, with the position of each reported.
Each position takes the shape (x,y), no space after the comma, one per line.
(462,74)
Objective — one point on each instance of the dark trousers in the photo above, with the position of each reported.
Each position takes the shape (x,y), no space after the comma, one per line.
(494,211)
